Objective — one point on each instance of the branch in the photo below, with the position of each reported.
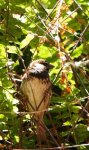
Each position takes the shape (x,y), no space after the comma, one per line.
(77,64)
(80,64)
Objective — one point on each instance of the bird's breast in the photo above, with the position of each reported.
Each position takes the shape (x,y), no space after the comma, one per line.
(38,92)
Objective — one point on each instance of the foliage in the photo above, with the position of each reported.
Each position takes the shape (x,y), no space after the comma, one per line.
(57,31)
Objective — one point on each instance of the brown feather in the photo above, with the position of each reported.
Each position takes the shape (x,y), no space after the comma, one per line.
(36,86)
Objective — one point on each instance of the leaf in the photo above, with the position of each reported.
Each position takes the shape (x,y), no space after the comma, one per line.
(78,51)
(67,123)
(26,41)
(2,3)
(81,133)
(12,49)
(2,51)
(45,51)
(75,109)
(1,116)
(16,138)
(3,59)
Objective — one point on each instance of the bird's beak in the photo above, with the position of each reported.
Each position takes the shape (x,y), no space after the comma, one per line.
(50,66)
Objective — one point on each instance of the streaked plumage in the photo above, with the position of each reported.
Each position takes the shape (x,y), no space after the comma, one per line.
(36,87)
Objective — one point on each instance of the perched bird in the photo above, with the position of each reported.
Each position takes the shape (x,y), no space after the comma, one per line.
(37,88)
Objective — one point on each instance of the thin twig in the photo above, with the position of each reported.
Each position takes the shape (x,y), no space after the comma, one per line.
(52,10)
(80,8)
(43,7)
(69,15)
(80,38)
(56,148)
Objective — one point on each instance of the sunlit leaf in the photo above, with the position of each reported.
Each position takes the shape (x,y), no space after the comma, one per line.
(67,123)
(45,51)
(2,51)
(78,51)
(17,138)
(12,49)
(26,41)
(2,116)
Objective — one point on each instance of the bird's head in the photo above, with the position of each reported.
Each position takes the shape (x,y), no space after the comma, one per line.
(39,66)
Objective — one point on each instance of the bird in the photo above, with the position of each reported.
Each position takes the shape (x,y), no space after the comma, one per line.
(37,88)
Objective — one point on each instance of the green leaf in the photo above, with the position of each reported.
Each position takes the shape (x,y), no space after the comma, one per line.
(2,116)
(67,123)
(81,133)
(45,51)
(3,59)
(78,51)
(2,2)
(26,41)
(2,51)
(16,138)
(75,109)
(12,49)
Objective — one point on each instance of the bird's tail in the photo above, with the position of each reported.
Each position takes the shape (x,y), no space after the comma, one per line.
(41,133)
